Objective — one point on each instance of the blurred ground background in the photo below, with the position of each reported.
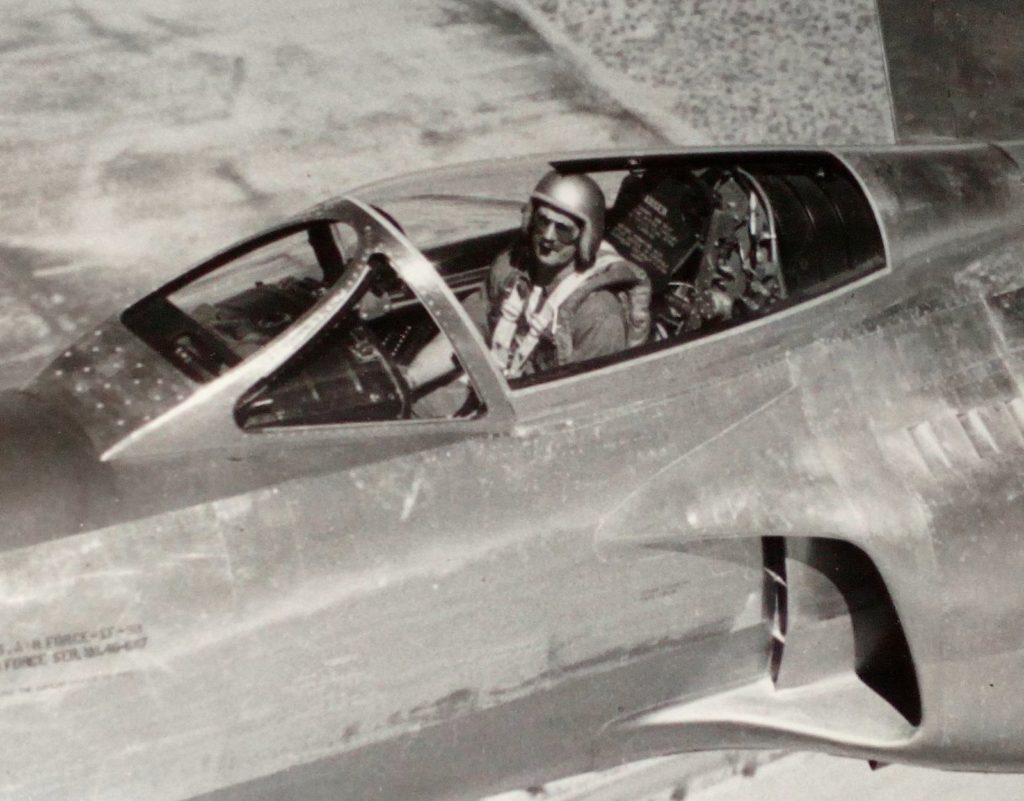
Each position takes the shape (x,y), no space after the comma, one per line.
(136,138)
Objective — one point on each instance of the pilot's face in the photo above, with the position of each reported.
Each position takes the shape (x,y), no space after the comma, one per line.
(554,238)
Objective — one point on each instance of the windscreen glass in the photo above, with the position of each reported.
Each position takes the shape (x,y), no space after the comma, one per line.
(237,304)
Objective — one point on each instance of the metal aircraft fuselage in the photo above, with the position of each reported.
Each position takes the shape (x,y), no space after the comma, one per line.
(799,531)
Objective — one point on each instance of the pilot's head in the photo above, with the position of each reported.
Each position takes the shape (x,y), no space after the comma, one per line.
(565,220)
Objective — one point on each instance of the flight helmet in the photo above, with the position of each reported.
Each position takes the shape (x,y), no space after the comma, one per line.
(581,198)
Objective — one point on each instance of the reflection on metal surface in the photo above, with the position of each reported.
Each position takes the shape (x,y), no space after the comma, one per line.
(794,527)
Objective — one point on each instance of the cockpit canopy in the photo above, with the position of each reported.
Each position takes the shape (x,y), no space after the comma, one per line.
(723,238)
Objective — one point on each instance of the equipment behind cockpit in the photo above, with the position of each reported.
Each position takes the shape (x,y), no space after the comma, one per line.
(725,242)
(708,240)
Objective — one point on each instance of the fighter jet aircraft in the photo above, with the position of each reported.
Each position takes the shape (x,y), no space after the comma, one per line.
(244,559)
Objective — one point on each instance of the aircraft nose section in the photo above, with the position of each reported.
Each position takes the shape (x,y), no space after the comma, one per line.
(50,475)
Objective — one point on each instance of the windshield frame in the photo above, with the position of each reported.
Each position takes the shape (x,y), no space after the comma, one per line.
(209,410)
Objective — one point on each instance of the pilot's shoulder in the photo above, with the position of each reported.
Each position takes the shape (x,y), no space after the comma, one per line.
(612,266)
(504,271)
(503,263)
(600,299)
(598,310)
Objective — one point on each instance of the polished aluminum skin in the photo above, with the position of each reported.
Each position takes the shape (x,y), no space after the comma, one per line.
(797,532)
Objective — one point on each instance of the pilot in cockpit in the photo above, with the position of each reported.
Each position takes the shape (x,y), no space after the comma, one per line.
(559,295)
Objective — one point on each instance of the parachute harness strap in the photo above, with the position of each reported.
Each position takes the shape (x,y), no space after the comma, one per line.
(513,350)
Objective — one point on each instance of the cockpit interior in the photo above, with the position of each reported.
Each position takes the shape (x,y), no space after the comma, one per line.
(723,239)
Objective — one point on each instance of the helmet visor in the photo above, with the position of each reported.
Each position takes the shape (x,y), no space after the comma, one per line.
(555,226)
